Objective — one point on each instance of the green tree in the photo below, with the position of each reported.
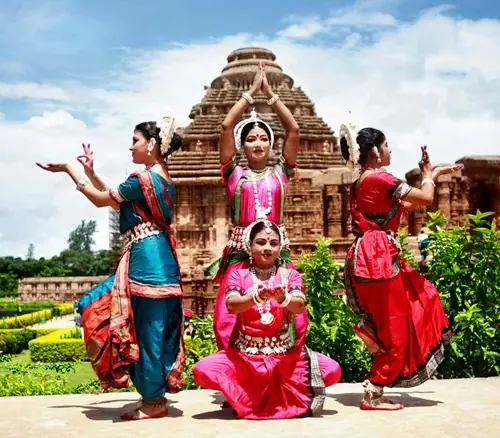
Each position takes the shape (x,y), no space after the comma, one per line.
(82,237)
(31,252)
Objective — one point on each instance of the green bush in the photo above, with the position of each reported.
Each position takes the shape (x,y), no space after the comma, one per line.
(201,344)
(466,270)
(8,304)
(29,383)
(330,318)
(16,340)
(63,345)
(25,320)
(8,285)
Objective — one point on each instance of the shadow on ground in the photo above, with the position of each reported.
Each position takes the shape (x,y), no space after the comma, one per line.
(93,411)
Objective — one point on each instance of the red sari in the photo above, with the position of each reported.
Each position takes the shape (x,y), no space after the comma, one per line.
(403,322)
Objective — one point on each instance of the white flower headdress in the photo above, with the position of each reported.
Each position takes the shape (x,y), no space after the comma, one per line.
(167,129)
(267,229)
(252,119)
(348,131)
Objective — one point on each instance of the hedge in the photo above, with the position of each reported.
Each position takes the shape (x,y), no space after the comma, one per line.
(14,341)
(58,346)
(25,320)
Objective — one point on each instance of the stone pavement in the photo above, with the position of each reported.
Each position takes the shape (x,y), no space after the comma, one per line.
(440,408)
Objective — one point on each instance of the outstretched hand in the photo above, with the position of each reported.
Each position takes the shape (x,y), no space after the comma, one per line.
(53,167)
(444,170)
(87,159)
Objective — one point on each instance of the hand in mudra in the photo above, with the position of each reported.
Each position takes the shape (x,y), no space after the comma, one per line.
(257,82)
(266,88)
(444,170)
(425,161)
(87,159)
(53,167)
(279,293)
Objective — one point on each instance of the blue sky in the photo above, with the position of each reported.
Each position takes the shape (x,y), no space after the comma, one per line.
(73,71)
(75,39)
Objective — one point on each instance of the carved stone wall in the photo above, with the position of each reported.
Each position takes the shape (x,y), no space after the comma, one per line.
(317,205)
(476,187)
(57,289)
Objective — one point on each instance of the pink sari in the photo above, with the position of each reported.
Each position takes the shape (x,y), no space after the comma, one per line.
(240,188)
(286,381)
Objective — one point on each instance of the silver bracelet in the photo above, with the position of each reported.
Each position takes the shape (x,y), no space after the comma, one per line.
(256,298)
(81,184)
(273,100)
(248,98)
(286,301)
(231,294)
(428,180)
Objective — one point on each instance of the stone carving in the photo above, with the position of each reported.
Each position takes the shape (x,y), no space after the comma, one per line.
(317,205)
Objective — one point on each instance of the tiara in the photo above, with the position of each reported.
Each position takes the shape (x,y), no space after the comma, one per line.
(252,119)
(167,129)
(248,231)
(348,131)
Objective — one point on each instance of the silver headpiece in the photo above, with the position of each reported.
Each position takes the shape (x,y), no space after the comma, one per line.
(267,229)
(252,119)
(348,131)
(167,129)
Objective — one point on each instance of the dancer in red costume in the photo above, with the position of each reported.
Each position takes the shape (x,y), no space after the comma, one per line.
(267,371)
(403,323)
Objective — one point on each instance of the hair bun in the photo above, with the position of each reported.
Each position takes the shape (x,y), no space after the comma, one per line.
(344,148)
(175,144)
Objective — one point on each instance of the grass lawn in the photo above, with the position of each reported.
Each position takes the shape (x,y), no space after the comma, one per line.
(83,370)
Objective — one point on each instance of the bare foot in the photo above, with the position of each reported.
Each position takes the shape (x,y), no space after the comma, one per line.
(146,412)
(380,404)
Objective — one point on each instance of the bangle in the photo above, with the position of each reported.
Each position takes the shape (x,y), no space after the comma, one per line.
(81,184)
(248,98)
(273,100)
(428,180)
(256,297)
(287,300)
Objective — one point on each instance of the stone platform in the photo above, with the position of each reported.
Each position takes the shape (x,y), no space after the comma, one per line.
(441,408)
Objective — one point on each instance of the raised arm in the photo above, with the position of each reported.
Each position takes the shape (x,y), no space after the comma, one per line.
(97,197)
(227,148)
(425,195)
(87,161)
(291,144)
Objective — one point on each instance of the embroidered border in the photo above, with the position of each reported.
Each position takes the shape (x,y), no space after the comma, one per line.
(149,291)
(316,382)
(115,194)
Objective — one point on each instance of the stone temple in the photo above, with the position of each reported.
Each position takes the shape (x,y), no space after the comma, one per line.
(316,205)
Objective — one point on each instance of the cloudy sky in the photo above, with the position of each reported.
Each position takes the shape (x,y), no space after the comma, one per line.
(87,71)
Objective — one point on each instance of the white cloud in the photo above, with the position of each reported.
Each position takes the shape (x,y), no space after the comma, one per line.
(303,29)
(32,90)
(433,81)
(363,15)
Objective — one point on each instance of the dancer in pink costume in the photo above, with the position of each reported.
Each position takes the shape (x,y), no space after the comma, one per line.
(267,371)
(255,191)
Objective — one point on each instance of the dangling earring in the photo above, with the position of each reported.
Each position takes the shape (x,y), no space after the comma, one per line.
(151,146)
(377,154)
